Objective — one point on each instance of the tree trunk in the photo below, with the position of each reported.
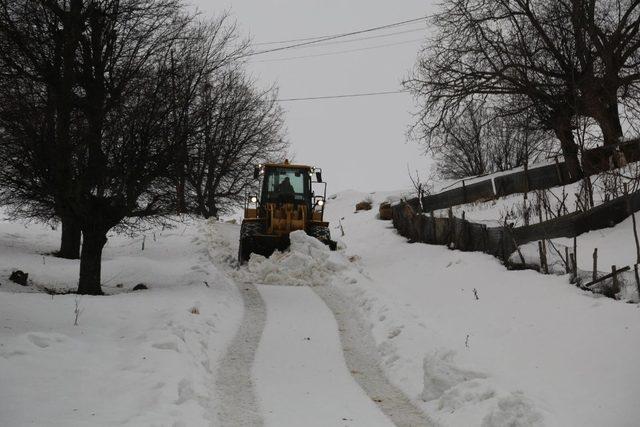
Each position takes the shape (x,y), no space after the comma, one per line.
(180,196)
(569,148)
(70,240)
(212,209)
(90,262)
(609,122)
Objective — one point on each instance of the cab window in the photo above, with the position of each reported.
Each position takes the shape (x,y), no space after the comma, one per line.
(286,182)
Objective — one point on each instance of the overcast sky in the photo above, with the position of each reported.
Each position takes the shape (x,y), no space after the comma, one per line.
(360,143)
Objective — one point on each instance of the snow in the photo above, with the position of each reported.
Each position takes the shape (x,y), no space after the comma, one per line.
(467,341)
(300,373)
(142,358)
(614,248)
(532,350)
(308,262)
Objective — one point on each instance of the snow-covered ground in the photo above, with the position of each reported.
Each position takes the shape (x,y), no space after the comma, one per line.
(142,358)
(528,350)
(468,342)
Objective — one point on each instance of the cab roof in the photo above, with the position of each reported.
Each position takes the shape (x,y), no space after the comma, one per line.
(287,165)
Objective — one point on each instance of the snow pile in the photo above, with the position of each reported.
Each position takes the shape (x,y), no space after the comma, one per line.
(441,375)
(513,411)
(308,262)
(451,388)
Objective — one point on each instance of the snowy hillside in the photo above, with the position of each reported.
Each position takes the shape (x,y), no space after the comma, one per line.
(530,347)
(310,337)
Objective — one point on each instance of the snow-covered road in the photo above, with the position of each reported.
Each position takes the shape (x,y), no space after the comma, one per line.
(286,365)
(300,373)
(302,355)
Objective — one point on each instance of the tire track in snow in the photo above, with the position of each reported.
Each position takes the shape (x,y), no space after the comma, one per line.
(237,401)
(359,352)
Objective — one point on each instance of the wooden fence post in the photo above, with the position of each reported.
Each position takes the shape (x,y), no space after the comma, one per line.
(462,237)
(633,219)
(635,270)
(575,258)
(464,192)
(558,170)
(513,239)
(543,258)
(614,280)
(451,229)
(594,276)
(433,221)
(503,246)
(485,238)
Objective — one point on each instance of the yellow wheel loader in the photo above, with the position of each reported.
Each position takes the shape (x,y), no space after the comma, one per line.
(292,197)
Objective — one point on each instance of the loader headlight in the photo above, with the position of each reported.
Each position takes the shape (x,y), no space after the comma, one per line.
(321,202)
(254,199)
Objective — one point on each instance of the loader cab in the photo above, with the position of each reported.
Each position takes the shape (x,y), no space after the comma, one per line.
(286,185)
(291,184)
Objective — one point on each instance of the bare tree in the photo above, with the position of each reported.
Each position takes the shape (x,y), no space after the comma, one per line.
(206,49)
(107,122)
(480,140)
(421,187)
(38,46)
(566,58)
(241,127)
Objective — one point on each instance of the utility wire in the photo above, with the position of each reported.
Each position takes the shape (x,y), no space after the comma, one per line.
(324,44)
(336,36)
(341,41)
(351,95)
(339,52)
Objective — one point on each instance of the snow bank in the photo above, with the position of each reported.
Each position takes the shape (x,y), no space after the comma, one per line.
(308,262)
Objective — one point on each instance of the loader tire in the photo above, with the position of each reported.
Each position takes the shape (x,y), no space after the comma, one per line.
(247,232)
(323,234)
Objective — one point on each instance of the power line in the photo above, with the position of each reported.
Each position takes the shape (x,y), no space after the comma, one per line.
(341,41)
(336,36)
(290,58)
(369,38)
(351,95)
